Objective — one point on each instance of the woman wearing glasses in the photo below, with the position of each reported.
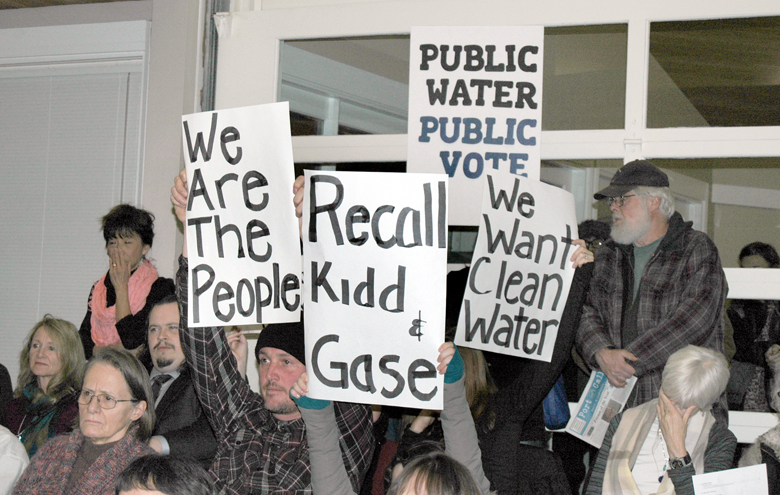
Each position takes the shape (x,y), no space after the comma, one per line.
(115,423)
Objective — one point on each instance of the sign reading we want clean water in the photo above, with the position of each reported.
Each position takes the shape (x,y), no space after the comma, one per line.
(520,272)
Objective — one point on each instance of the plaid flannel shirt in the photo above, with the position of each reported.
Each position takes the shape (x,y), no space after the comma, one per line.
(256,453)
(681,299)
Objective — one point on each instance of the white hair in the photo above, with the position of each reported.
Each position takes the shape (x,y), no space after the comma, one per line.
(695,376)
(667,200)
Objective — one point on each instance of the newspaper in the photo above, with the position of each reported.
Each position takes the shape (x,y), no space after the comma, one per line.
(600,402)
(751,479)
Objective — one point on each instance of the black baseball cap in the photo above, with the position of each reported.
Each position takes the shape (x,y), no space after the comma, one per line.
(632,175)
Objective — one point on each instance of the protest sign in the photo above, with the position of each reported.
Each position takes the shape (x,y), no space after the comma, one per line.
(242,234)
(520,272)
(375,265)
(475,105)
(739,481)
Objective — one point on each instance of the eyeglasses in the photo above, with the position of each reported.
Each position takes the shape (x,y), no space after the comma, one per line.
(619,201)
(105,401)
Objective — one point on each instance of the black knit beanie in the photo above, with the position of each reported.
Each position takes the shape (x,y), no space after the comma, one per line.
(287,337)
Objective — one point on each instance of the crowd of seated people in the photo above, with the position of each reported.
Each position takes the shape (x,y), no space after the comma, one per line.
(106,427)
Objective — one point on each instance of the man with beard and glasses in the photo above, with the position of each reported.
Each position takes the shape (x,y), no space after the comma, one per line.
(181,427)
(657,285)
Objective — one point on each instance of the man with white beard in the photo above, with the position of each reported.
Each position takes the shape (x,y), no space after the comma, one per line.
(657,285)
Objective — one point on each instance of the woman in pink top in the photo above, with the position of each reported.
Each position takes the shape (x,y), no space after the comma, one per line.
(120,301)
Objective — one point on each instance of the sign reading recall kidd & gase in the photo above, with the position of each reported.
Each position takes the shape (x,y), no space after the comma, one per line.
(375,265)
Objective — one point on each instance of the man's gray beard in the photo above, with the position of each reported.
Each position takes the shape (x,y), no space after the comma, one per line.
(629,235)
(164,363)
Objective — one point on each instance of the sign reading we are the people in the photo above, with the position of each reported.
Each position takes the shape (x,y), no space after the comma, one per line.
(475,106)
(375,264)
(242,234)
(520,272)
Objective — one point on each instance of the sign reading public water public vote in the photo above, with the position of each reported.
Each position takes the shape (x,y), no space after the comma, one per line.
(375,267)
(475,106)
(520,272)
(242,234)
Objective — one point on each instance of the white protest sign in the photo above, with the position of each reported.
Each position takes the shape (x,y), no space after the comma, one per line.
(475,106)
(520,272)
(242,234)
(739,481)
(375,266)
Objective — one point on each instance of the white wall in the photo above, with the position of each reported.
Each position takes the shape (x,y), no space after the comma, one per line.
(174,60)
(171,75)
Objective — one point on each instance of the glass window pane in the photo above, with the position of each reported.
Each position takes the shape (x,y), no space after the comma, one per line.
(736,201)
(714,73)
(347,85)
(584,77)
(394,167)
(360,85)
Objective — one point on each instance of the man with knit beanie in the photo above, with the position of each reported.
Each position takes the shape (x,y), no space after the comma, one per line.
(263,441)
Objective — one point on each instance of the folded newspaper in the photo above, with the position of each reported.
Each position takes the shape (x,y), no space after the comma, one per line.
(600,402)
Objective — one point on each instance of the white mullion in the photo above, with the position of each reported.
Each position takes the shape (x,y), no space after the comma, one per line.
(361,148)
(712,142)
(637,68)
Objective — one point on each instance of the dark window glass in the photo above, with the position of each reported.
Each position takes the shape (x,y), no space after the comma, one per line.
(714,73)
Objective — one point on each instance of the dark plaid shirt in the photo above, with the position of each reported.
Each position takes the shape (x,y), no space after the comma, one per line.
(256,453)
(681,299)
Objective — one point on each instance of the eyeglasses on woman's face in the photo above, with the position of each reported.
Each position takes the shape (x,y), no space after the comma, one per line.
(105,401)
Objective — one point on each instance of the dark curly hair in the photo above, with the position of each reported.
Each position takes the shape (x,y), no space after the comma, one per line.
(169,474)
(764,250)
(125,220)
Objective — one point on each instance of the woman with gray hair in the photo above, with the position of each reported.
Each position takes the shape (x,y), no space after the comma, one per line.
(658,446)
(116,418)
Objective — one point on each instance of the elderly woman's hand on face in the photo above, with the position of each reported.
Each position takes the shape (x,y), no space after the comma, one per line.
(674,424)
